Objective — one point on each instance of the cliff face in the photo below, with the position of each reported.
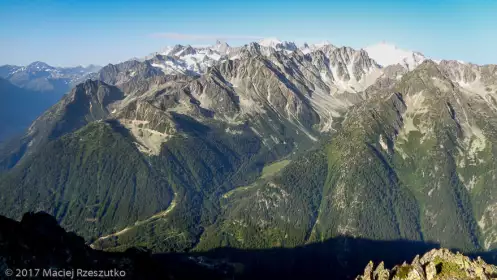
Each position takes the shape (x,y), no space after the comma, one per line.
(436,264)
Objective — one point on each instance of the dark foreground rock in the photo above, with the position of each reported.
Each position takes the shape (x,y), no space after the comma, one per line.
(38,248)
(440,264)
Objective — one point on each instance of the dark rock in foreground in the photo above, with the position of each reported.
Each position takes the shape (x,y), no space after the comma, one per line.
(436,264)
(39,247)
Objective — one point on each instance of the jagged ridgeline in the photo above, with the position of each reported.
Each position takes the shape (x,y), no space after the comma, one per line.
(397,168)
(436,264)
(264,146)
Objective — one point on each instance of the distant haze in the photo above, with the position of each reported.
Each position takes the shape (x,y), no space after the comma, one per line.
(67,33)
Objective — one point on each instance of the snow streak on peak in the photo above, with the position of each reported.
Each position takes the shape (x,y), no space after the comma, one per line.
(387,54)
(270,42)
(221,47)
(308,48)
(278,45)
(198,59)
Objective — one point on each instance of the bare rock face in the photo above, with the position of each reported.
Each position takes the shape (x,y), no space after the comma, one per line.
(436,264)
(431,271)
(368,271)
(381,273)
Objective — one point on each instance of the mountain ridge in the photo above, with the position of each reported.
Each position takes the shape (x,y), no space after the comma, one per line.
(265,148)
(435,264)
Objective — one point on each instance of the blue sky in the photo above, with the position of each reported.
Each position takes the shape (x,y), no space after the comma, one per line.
(69,32)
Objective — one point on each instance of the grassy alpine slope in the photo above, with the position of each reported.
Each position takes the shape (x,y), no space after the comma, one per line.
(411,163)
(414,161)
(89,188)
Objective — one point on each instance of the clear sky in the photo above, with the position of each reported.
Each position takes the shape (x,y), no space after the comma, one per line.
(69,32)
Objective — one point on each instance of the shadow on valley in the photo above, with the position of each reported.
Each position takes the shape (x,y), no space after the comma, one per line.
(337,258)
(37,241)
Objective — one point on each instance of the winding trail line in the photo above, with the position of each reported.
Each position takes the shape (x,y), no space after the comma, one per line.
(159,215)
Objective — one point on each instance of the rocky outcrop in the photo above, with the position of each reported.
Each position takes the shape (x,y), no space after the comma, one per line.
(436,264)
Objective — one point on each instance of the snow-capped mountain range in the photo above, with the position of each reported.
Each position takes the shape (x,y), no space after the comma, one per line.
(343,69)
(195,60)
(50,71)
(186,59)
(38,75)
(323,69)
(295,83)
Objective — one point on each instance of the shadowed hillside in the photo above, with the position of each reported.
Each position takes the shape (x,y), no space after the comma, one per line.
(39,242)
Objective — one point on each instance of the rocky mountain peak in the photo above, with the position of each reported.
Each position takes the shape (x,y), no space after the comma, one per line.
(87,86)
(428,64)
(221,43)
(462,73)
(325,46)
(221,47)
(278,45)
(38,66)
(343,53)
(427,79)
(231,116)
(187,51)
(437,264)
(430,70)
(255,48)
(269,42)
(175,49)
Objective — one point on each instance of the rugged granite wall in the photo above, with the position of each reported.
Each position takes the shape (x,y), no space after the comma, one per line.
(436,264)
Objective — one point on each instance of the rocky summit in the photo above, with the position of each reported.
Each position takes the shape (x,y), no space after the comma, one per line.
(309,154)
(436,264)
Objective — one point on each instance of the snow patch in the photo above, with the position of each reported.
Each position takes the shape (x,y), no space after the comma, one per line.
(233,131)
(431,192)
(386,54)
(383,145)
(270,42)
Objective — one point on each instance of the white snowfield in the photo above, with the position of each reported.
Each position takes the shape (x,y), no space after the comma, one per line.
(198,59)
(270,42)
(387,54)
(204,57)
